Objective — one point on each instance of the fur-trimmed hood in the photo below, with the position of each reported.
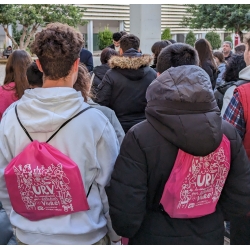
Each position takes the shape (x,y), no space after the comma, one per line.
(125,62)
(132,64)
(131,59)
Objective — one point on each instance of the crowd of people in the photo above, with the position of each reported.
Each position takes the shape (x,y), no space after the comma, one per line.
(143,149)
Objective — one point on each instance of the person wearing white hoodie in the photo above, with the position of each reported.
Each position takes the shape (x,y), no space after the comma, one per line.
(92,145)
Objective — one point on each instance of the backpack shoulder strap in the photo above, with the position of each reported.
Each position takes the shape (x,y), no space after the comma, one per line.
(68,122)
(24,129)
(26,132)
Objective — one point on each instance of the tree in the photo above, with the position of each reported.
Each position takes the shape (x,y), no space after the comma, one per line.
(105,38)
(33,16)
(166,34)
(228,38)
(214,39)
(231,17)
(190,38)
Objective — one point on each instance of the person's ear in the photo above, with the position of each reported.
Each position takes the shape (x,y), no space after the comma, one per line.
(76,65)
(158,73)
(38,64)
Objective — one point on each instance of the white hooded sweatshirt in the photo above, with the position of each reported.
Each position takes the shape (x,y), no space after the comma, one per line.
(89,140)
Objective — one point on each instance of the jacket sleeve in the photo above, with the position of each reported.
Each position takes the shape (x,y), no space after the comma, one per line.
(235,196)
(5,157)
(128,188)
(107,151)
(117,126)
(227,98)
(104,92)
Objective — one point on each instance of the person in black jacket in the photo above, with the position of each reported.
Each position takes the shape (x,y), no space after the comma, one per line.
(207,62)
(181,113)
(101,70)
(6,232)
(86,58)
(124,86)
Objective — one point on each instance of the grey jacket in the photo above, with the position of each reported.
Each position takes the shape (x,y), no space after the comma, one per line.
(110,114)
(6,232)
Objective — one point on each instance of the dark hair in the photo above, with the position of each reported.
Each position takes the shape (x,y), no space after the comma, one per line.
(172,41)
(239,49)
(123,33)
(83,83)
(117,36)
(175,55)
(204,50)
(57,48)
(157,47)
(15,71)
(34,75)
(234,65)
(219,55)
(106,54)
(129,41)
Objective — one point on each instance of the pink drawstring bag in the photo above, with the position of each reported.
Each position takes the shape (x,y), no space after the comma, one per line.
(195,183)
(42,182)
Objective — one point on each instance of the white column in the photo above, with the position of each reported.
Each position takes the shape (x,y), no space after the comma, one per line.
(90,36)
(145,22)
(121,25)
(10,32)
(174,37)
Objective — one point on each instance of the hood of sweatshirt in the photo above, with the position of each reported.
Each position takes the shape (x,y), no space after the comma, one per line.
(245,73)
(182,108)
(46,109)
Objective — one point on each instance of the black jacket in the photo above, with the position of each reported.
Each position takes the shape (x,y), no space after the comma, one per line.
(99,72)
(86,58)
(211,71)
(6,231)
(124,86)
(181,113)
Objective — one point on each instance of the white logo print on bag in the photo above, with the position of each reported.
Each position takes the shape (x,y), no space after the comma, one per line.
(44,188)
(205,180)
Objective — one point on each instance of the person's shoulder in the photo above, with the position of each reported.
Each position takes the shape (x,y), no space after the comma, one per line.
(85,51)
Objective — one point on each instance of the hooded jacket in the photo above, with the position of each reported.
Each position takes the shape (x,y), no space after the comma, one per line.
(123,88)
(228,89)
(92,145)
(181,114)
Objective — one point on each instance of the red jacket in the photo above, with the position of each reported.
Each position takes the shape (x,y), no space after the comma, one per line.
(244,96)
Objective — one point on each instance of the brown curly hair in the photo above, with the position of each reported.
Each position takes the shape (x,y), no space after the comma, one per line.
(15,71)
(83,83)
(57,47)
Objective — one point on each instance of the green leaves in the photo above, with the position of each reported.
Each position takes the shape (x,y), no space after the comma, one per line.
(31,16)
(190,38)
(217,16)
(166,34)
(105,38)
(214,39)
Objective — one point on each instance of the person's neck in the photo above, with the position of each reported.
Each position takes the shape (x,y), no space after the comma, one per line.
(226,54)
(57,83)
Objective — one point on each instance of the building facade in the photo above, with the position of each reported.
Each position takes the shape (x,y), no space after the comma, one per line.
(117,18)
